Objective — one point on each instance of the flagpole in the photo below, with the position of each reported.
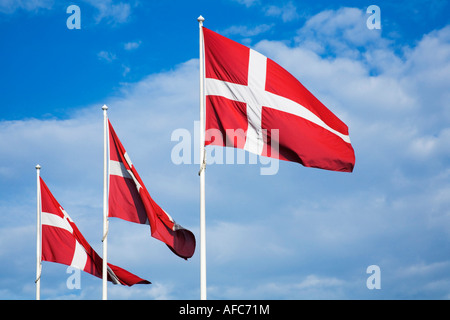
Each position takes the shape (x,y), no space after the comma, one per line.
(105,205)
(38,235)
(201,173)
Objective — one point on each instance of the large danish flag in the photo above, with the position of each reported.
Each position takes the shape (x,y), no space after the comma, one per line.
(249,93)
(63,243)
(129,200)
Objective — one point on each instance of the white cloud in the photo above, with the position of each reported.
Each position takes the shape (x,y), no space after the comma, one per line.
(310,287)
(427,147)
(10,6)
(340,32)
(246,31)
(425,269)
(155,291)
(427,70)
(112,11)
(132,45)
(227,238)
(247,3)
(106,56)
(287,12)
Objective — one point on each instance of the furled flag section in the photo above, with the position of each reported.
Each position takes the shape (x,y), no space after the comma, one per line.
(260,107)
(63,243)
(129,200)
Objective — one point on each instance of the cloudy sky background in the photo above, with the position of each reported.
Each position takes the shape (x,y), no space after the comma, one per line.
(300,234)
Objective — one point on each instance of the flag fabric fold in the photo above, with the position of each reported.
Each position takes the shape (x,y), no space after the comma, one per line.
(260,107)
(130,200)
(63,243)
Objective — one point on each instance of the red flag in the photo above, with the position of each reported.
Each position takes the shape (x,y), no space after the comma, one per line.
(129,200)
(248,96)
(63,243)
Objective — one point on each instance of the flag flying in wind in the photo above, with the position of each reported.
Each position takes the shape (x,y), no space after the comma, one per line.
(129,200)
(260,107)
(63,243)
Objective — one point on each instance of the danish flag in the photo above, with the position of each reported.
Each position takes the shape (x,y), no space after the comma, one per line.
(275,114)
(129,200)
(63,243)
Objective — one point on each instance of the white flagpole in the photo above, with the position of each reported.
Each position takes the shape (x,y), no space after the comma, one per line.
(105,204)
(38,236)
(200,20)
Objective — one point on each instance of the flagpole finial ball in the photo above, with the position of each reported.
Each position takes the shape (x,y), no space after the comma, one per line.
(200,19)
(105,107)
(38,167)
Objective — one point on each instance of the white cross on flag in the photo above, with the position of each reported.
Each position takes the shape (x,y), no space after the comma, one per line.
(260,107)
(130,200)
(63,243)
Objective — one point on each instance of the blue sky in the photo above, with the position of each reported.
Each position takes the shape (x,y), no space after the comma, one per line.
(299,234)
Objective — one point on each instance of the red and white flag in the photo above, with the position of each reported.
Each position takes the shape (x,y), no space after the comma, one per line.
(129,200)
(249,93)
(63,243)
